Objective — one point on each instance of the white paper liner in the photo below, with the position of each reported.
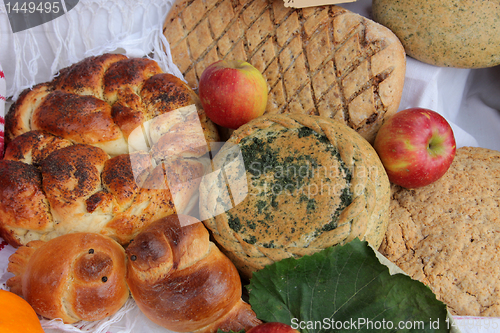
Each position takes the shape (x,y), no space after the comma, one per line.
(91,28)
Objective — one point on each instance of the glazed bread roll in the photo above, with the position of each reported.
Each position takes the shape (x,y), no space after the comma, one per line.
(109,145)
(80,276)
(181,281)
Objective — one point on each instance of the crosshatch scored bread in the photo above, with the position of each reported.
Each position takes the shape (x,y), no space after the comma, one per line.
(320,60)
(447,234)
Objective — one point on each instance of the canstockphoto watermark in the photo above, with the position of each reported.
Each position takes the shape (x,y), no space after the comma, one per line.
(366,323)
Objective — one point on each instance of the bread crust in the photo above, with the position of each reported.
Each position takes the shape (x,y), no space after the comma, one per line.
(109,145)
(80,276)
(100,101)
(446,234)
(322,60)
(303,183)
(181,281)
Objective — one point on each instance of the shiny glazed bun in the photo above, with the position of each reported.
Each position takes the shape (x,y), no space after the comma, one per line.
(109,145)
(79,276)
(181,281)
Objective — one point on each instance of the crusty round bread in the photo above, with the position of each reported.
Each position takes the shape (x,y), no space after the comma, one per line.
(291,185)
(181,281)
(447,234)
(108,146)
(321,60)
(80,276)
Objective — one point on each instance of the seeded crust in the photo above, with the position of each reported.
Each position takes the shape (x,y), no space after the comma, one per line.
(447,234)
(322,60)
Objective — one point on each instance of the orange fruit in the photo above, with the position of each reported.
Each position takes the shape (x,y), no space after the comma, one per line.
(16,315)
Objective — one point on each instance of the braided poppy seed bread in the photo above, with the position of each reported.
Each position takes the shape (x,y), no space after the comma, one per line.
(100,101)
(291,185)
(79,187)
(322,60)
(109,145)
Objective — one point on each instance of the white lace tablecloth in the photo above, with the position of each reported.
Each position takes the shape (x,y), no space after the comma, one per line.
(468,99)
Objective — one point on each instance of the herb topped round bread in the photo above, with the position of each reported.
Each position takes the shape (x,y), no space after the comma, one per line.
(290,185)
(322,60)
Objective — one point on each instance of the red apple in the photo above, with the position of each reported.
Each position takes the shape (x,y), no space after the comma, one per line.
(272,327)
(416,147)
(232,92)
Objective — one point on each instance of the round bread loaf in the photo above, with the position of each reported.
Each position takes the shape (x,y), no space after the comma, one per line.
(109,145)
(447,234)
(322,60)
(80,276)
(290,185)
(451,33)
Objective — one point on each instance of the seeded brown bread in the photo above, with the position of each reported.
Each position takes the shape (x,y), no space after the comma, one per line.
(320,60)
(447,234)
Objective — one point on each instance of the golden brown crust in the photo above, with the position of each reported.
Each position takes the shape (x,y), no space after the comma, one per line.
(33,147)
(86,76)
(128,74)
(181,281)
(100,101)
(304,183)
(446,234)
(322,60)
(80,276)
(96,165)
(18,118)
(72,116)
(69,176)
(23,204)
(79,188)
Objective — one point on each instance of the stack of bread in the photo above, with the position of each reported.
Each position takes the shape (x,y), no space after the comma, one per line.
(103,165)
(101,162)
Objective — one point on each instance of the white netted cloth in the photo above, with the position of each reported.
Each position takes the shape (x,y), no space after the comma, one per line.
(92,27)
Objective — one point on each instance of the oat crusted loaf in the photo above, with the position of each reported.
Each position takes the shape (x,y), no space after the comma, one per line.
(320,60)
(302,183)
(447,234)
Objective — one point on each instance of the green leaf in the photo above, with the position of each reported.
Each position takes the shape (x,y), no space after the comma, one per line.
(344,289)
